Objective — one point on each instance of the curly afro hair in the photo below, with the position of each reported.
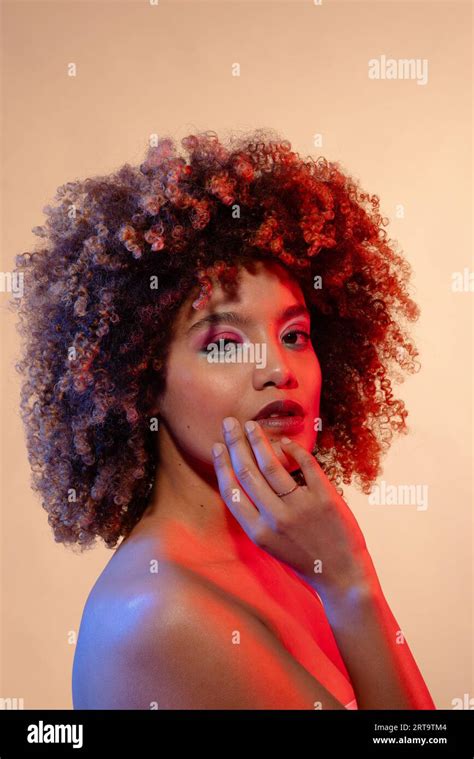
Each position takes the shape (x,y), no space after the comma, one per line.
(96,331)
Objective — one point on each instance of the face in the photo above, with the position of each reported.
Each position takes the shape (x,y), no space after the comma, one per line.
(273,360)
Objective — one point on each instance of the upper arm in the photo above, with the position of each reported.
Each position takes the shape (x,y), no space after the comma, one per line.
(201,652)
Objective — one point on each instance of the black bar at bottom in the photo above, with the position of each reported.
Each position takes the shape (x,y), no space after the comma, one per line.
(62,733)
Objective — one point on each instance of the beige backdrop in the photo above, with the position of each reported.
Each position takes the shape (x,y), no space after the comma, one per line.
(148,68)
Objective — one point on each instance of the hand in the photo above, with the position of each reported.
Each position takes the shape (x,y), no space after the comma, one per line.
(312,529)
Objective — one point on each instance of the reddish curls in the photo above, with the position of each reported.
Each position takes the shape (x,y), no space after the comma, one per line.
(97,333)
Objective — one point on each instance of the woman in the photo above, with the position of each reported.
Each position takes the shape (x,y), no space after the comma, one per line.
(243,580)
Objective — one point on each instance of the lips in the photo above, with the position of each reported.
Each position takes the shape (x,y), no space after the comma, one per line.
(280,409)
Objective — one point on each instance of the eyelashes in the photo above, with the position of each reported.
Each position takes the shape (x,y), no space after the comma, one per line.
(216,339)
(305,334)
(221,339)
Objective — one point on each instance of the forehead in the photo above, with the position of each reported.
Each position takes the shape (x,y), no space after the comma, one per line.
(265,290)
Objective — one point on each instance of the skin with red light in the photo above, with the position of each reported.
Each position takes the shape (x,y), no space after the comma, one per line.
(222,560)
(199,394)
(239,391)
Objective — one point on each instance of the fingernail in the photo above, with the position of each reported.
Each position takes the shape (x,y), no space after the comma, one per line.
(228,423)
(285,440)
(217,448)
(250,426)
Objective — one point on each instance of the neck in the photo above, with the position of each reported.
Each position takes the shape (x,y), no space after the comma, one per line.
(186,493)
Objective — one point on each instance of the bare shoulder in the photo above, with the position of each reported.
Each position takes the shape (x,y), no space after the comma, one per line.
(177,643)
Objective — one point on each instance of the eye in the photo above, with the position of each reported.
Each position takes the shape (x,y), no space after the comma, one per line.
(295,333)
(219,340)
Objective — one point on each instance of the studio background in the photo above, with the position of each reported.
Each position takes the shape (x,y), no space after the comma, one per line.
(167,69)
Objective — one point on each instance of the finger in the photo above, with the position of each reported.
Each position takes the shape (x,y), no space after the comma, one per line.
(248,474)
(274,472)
(232,494)
(312,472)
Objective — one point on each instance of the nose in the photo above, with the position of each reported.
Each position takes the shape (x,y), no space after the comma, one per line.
(277,370)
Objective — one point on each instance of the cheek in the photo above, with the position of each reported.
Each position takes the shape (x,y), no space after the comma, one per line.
(198,397)
(317,387)
(312,381)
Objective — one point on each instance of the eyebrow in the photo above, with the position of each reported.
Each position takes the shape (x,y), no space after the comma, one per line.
(241,320)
